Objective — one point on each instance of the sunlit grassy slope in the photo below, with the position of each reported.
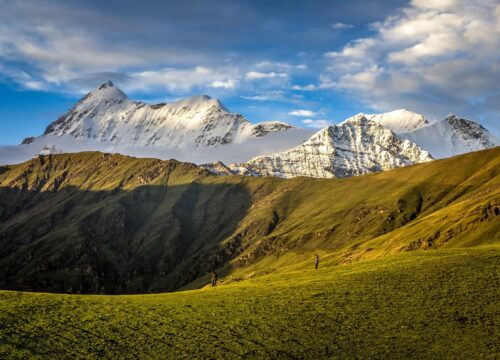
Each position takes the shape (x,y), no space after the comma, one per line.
(102,223)
(433,304)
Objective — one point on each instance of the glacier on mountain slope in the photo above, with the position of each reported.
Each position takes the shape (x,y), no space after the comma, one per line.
(359,146)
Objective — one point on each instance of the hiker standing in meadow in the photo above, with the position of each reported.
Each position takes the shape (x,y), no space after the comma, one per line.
(316,262)
(214,278)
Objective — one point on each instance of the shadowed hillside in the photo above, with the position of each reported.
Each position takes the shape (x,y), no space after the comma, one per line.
(100,223)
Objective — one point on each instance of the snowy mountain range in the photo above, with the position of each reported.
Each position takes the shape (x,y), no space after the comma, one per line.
(200,129)
(367,143)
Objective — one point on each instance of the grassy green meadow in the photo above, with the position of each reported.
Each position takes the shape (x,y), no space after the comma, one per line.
(434,304)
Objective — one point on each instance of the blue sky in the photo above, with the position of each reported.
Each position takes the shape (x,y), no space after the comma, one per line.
(309,63)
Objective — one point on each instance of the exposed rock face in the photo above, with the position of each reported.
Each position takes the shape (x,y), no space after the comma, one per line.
(356,147)
(106,114)
(264,128)
(217,168)
(27,140)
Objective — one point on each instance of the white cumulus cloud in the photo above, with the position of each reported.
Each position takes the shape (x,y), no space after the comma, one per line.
(433,56)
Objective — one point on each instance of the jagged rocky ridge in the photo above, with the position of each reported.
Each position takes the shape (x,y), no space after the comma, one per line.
(357,147)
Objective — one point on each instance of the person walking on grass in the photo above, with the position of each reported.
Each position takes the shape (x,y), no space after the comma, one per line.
(316,262)
(214,278)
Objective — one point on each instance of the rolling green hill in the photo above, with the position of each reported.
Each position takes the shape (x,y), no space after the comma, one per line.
(101,223)
(410,261)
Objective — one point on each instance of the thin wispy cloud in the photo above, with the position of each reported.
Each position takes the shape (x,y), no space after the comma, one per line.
(316,124)
(306,113)
(340,25)
(260,97)
(256,75)
(228,84)
(279,66)
(308,87)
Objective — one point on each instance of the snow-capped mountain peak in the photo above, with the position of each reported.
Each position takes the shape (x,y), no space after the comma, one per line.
(359,146)
(444,138)
(106,119)
(106,114)
(105,92)
(399,121)
(469,127)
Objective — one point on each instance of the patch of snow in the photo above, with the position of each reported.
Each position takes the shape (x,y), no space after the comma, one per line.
(49,150)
